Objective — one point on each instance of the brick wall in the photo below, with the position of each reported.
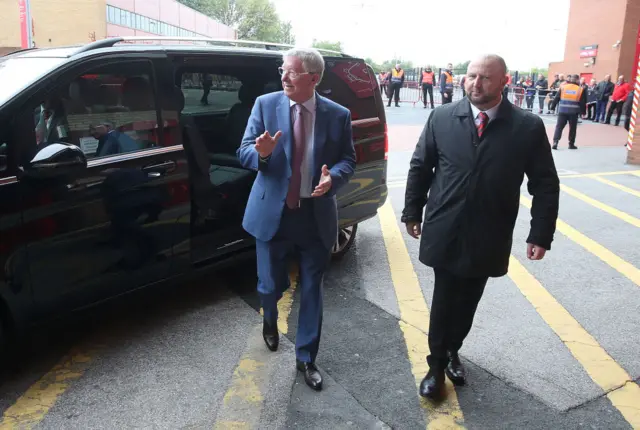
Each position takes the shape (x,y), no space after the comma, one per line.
(600,22)
(10,28)
(68,22)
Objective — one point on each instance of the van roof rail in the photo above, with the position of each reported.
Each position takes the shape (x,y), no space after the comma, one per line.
(109,42)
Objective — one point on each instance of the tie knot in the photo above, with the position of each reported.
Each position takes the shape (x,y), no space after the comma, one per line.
(482,116)
(299,108)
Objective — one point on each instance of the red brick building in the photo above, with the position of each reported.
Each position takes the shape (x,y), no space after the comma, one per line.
(603,38)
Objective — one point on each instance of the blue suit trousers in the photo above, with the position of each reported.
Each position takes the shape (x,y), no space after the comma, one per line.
(297,237)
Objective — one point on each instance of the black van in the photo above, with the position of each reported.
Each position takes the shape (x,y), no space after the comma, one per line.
(83,220)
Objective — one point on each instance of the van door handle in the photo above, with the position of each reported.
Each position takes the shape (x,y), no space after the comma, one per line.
(164,167)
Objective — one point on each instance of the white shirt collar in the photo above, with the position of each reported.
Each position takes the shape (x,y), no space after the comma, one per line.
(310,104)
(491,113)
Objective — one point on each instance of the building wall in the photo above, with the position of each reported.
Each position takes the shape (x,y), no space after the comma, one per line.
(10,28)
(600,22)
(67,22)
(629,40)
(167,16)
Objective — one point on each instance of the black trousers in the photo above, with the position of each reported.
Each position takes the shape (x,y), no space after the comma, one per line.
(446,100)
(541,98)
(617,107)
(591,111)
(530,101)
(427,88)
(394,92)
(563,119)
(455,300)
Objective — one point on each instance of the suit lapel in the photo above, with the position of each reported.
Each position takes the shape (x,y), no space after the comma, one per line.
(284,123)
(319,135)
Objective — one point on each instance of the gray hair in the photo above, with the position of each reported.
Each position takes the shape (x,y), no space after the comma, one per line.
(311,58)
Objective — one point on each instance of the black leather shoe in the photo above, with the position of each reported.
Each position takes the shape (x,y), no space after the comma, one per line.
(312,376)
(555,145)
(432,385)
(573,147)
(270,335)
(455,370)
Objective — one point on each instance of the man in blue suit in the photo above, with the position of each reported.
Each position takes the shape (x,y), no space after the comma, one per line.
(301,146)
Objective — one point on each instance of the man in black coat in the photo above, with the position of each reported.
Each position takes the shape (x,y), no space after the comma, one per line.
(467,169)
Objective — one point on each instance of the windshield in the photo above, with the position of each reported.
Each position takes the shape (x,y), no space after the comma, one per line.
(18,72)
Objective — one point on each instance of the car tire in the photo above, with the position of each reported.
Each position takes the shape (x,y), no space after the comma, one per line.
(346,237)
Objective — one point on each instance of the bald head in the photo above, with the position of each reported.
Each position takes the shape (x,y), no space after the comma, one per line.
(494,60)
(486,78)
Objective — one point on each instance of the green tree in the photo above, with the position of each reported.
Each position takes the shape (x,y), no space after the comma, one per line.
(252,19)
(325,44)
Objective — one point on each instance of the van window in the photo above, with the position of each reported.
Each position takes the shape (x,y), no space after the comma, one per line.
(209,92)
(107,111)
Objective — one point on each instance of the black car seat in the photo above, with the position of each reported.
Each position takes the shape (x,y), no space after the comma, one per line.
(239,114)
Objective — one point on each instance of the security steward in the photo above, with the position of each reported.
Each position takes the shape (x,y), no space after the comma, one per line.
(446,84)
(571,101)
(427,81)
(396,82)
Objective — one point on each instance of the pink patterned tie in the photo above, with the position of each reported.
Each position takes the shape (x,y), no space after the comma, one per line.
(293,196)
(481,122)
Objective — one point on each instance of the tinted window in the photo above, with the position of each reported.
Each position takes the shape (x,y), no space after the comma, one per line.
(207,92)
(107,111)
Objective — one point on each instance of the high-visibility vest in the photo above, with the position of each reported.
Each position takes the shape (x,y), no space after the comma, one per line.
(448,84)
(396,76)
(427,77)
(570,95)
(383,76)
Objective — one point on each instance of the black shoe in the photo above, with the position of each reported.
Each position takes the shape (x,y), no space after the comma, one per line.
(555,145)
(432,385)
(312,376)
(455,370)
(573,147)
(270,335)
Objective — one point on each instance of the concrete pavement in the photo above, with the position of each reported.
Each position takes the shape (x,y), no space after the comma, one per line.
(554,344)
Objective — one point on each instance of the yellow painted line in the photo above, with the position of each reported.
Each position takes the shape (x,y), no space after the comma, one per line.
(625,268)
(31,408)
(618,186)
(244,398)
(285,303)
(414,322)
(600,366)
(606,208)
(588,175)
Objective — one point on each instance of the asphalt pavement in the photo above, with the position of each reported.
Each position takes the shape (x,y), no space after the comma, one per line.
(554,343)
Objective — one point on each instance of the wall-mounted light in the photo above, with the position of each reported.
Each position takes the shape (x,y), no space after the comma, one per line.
(617,44)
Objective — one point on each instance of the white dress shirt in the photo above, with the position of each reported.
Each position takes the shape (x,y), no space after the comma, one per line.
(309,112)
(491,113)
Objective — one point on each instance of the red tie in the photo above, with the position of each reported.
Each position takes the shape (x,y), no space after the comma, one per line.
(293,196)
(481,122)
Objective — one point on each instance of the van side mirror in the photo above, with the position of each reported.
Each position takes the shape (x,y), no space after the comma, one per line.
(57,159)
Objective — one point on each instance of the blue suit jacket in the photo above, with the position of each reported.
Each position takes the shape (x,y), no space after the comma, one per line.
(333,146)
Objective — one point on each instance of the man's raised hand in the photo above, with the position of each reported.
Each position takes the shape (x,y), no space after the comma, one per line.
(265,143)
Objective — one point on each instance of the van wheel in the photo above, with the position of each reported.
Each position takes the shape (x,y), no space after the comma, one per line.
(346,236)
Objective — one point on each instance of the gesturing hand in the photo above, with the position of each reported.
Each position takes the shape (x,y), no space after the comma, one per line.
(265,144)
(325,183)
(535,252)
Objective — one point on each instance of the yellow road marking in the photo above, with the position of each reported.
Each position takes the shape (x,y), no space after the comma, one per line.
(589,175)
(600,366)
(625,268)
(618,186)
(31,408)
(606,208)
(414,321)
(244,398)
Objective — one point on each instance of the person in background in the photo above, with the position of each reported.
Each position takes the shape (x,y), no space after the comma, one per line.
(446,84)
(604,89)
(396,82)
(111,141)
(626,110)
(572,102)
(592,100)
(555,86)
(466,232)
(462,80)
(383,82)
(530,92)
(518,93)
(620,93)
(427,81)
(542,87)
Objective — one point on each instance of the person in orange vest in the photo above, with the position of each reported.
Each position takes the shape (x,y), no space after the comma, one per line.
(427,81)
(446,84)
(396,82)
(383,82)
(571,101)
